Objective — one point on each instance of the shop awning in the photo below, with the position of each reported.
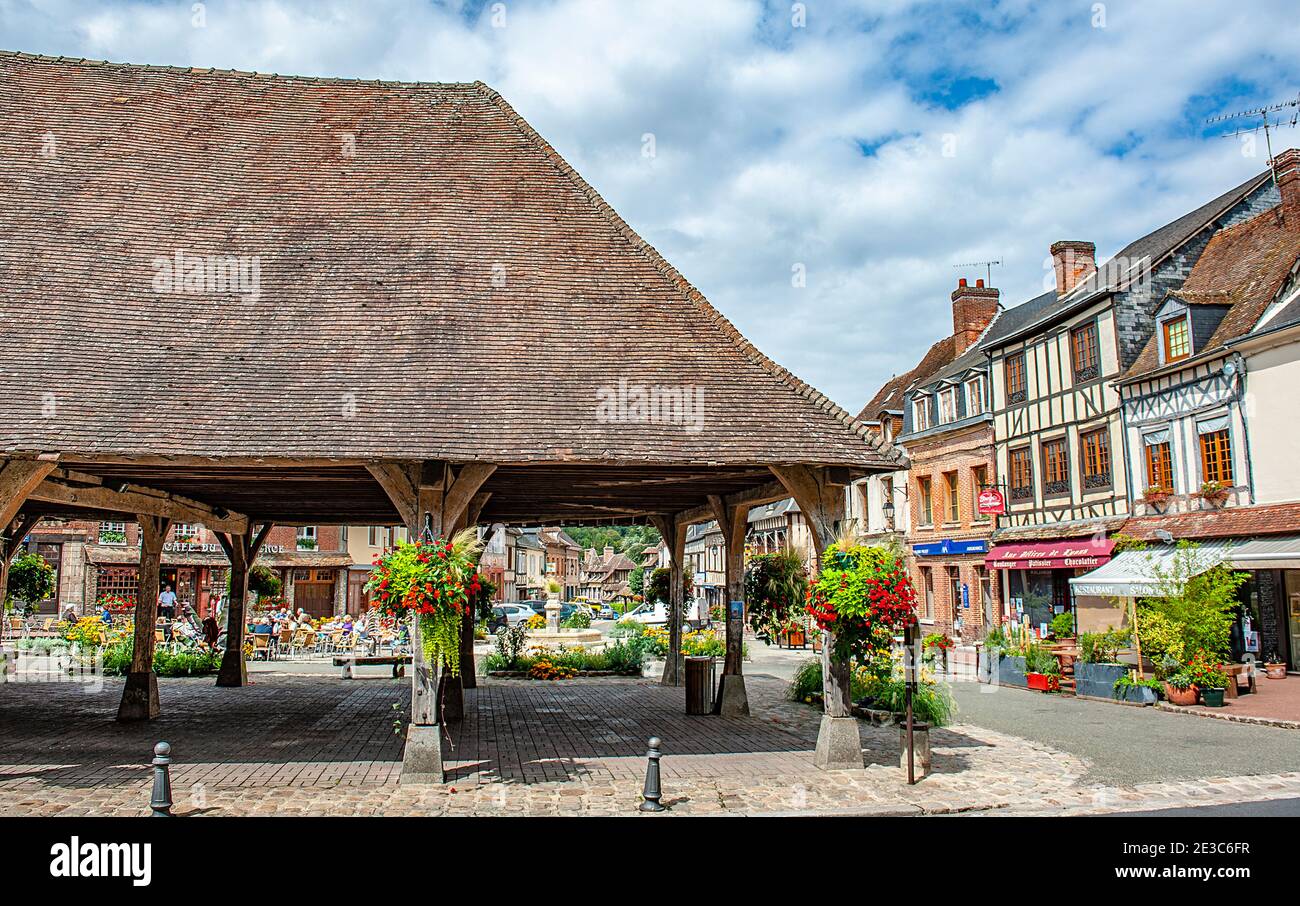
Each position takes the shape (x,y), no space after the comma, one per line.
(1134,574)
(1071,553)
(1280,552)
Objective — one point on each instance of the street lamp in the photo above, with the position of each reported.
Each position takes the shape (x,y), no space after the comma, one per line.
(888,510)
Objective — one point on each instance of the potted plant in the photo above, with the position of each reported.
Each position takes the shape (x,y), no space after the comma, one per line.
(1179,689)
(1098,669)
(1274,666)
(776,589)
(1062,626)
(936,644)
(1156,497)
(1042,670)
(1144,691)
(1208,675)
(1215,493)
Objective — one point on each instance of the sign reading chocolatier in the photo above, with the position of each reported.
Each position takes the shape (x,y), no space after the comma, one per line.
(1073,553)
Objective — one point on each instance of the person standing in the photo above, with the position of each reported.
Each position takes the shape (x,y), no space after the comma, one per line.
(167,602)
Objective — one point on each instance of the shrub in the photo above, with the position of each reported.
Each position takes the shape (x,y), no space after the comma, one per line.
(776,591)
(1129,681)
(31,579)
(1103,647)
(578,620)
(626,658)
(186,662)
(1192,609)
(1039,660)
(511,641)
(1063,625)
(807,682)
(263,581)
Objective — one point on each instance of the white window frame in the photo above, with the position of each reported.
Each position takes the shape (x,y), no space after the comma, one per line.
(187,530)
(111,527)
(304,532)
(948,406)
(975,396)
(921,413)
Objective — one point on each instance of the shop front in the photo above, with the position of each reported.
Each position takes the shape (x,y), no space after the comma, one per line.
(1036,582)
(956,590)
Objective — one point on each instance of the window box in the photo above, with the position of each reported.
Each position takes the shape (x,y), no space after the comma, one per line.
(1215,493)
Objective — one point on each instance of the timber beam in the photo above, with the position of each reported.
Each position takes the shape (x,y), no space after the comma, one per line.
(140,500)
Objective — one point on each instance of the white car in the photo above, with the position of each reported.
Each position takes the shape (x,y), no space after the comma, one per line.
(657,614)
(517,613)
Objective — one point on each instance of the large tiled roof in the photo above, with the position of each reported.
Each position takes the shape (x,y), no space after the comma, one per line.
(1243,267)
(1228,522)
(435,282)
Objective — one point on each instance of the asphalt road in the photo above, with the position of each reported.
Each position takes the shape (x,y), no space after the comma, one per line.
(1127,745)
(1272,808)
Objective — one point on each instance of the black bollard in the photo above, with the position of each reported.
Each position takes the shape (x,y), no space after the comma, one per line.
(652,793)
(161,800)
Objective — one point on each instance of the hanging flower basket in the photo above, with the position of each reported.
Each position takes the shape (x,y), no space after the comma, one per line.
(435,581)
(865,597)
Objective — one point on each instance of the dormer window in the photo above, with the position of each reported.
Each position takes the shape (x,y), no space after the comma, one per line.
(921,413)
(974,396)
(1177,336)
(948,405)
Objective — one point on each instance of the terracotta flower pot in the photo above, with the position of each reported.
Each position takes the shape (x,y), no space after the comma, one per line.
(1181,696)
(1275,671)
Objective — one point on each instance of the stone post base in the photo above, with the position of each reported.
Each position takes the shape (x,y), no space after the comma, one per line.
(139,697)
(422,757)
(839,747)
(921,743)
(732,699)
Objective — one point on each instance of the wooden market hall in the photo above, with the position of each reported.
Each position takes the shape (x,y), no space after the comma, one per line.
(248,300)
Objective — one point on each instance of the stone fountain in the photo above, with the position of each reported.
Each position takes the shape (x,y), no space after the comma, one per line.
(554,635)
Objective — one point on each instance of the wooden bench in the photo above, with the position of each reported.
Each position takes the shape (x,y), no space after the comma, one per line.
(398,661)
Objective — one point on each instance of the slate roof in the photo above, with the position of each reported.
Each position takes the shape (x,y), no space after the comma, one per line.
(1243,267)
(1154,246)
(435,282)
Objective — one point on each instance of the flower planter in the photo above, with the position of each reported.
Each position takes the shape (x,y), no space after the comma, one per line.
(1097,680)
(1180,696)
(1043,682)
(1138,695)
(983,666)
(1275,671)
(795,638)
(1011,671)
(1212,698)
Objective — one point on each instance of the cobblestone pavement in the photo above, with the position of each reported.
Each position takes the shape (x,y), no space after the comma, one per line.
(295,745)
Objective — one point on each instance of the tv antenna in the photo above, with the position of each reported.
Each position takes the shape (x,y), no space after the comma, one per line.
(988,268)
(1271,117)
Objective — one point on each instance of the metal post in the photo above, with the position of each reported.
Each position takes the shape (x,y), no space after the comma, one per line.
(652,793)
(909,678)
(161,800)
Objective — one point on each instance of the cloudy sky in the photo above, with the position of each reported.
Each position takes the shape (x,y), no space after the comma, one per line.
(868,147)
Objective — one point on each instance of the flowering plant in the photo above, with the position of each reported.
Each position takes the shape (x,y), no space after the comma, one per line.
(437,582)
(938,641)
(1206,672)
(776,588)
(114,603)
(865,597)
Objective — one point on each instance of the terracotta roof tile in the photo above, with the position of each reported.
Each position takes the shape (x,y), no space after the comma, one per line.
(435,282)
(1229,522)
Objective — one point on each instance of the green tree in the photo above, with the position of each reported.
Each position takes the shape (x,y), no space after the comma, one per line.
(1192,607)
(31,580)
(636,581)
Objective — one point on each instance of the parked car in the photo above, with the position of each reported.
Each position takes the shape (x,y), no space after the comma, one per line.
(516,613)
(607,612)
(499,619)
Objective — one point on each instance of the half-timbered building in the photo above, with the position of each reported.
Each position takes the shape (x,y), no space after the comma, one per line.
(1056,408)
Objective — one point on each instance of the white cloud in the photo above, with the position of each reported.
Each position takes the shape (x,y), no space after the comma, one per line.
(760,129)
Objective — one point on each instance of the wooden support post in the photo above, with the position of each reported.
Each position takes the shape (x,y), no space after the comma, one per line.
(18,478)
(674,536)
(140,694)
(241,551)
(821,500)
(733,521)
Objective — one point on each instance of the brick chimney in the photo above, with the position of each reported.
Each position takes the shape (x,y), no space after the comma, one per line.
(1287,167)
(973,308)
(609,552)
(1074,261)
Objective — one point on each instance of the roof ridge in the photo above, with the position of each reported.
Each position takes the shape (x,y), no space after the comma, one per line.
(214,70)
(688,290)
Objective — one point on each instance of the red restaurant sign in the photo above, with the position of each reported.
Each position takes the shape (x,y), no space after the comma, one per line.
(1081,552)
(991,502)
